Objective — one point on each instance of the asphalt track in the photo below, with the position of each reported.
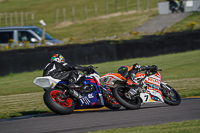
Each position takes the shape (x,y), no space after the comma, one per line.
(159,22)
(85,121)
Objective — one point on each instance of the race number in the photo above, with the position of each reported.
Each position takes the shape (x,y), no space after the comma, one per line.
(147,96)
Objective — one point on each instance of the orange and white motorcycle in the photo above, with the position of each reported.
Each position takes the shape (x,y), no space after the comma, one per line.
(149,90)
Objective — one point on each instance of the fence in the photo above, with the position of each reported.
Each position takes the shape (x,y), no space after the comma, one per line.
(105,7)
(16,19)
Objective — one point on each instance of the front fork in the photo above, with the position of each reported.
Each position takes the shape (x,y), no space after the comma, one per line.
(165,89)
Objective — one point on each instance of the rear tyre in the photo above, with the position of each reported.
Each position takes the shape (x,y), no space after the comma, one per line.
(119,93)
(55,103)
(170,95)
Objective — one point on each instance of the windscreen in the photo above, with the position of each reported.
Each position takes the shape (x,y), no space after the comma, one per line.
(39,32)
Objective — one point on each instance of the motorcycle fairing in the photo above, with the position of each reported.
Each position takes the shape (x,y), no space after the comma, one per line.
(46,82)
(92,99)
(139,75)
(63,82)
(153,93)
(110,78)
(152,96)
(154,79)
(91,81)
(96,77)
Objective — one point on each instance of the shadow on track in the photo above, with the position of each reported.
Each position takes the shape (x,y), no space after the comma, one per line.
(34,114)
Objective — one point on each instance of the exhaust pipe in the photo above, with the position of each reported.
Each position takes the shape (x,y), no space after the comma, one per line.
(75,93)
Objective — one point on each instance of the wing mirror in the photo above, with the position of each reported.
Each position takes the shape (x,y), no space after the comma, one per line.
(33,40)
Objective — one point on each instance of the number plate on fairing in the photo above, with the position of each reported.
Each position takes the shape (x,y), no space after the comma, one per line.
(151,96)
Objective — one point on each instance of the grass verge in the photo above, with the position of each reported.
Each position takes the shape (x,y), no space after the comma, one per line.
(114,22)
(189,23)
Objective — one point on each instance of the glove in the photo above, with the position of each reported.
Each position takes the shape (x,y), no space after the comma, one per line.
(90,69)
(136,67)
(153,68)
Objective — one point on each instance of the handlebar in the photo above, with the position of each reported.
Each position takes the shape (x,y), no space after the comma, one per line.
(148,70)
(152,68)
(91,69)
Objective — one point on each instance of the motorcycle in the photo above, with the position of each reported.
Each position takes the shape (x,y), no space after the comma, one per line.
(150,89)
(177,7)
(62,99)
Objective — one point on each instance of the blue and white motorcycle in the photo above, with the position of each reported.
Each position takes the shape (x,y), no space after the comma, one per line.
(61,99)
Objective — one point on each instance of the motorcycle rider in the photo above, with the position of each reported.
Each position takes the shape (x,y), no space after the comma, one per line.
(173,5)
(58,69)
(130,72)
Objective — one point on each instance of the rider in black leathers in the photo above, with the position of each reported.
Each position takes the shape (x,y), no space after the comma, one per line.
(58,69)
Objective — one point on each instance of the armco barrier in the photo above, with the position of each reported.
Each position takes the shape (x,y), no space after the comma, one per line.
(157,45)
(17,61)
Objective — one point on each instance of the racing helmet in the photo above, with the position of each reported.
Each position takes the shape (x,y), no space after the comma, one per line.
(123,70)
(57,58)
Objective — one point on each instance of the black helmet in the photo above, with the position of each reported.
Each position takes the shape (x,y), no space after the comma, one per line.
(123,70)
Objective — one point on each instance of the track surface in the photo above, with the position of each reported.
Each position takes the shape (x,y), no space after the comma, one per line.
(85,121)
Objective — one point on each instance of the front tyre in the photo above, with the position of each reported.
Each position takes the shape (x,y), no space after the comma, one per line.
(110,101)
(55,103)
(120,93)
(170,95)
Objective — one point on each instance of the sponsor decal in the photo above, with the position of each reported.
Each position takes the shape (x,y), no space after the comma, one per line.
(51,86)
(155,98)
(90,96)
(85,100)
(106,79)
(153,80)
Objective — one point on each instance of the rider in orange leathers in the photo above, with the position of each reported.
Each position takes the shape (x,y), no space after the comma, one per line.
(130,73)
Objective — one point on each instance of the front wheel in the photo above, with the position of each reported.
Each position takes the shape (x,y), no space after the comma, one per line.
(52,99)
(110,101)
(120,93)
(170,95)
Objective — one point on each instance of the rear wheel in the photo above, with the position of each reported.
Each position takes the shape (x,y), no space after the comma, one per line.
(110,101)
(52,99)
(120,93)
(170,95)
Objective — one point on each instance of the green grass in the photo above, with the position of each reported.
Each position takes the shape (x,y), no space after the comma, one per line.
(113,23)
(183,24)
(102,28)
(19,96)
(19,83)
(22,104)
(174,127)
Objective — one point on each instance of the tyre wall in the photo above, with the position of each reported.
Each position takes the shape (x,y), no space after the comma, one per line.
(17,61)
